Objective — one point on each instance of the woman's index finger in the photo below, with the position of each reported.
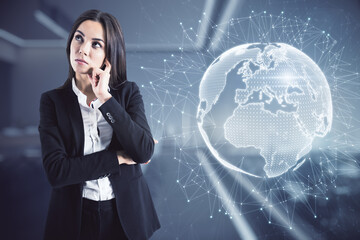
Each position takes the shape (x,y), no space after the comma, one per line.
(108,65)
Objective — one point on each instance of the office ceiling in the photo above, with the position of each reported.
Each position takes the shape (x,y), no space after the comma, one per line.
(144,22)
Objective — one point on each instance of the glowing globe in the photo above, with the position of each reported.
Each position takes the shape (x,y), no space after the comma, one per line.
(261,106)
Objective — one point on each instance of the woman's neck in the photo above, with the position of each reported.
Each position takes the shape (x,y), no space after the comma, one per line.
(83,84)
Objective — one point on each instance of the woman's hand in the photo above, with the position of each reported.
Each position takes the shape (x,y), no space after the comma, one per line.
(99,80)
(124,160)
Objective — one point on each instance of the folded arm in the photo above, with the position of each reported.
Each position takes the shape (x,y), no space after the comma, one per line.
(62,169)
(130,125)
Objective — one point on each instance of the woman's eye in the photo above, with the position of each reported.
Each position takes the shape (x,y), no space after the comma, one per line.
(96,45)
(78,37)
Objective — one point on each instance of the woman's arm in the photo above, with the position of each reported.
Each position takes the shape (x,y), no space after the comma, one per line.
(130,125)
(60,168)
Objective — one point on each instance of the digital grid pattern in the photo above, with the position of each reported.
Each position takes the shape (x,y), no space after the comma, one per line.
(173,91)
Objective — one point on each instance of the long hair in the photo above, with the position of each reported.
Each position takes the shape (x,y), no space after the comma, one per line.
(114,45)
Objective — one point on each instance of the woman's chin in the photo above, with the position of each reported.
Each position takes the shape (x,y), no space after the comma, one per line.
(82,71)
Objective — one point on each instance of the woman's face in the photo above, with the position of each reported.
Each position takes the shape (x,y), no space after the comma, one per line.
(87,48)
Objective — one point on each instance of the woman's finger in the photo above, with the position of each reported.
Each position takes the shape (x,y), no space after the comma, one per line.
(96,74)
(128,161)
(91,79)
(124,160)
(108,66)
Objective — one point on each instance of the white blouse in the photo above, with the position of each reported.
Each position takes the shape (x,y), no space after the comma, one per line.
(98,134)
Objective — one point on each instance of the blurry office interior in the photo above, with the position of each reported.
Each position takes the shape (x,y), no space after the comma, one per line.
(33,36)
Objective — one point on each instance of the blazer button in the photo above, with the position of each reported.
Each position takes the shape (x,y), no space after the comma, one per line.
(109,116)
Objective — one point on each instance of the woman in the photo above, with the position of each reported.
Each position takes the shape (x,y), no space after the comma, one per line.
(94,136)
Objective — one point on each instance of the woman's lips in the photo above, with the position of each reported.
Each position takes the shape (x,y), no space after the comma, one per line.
(80,61)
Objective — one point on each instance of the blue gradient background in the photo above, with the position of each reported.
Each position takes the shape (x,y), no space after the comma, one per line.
(33,60)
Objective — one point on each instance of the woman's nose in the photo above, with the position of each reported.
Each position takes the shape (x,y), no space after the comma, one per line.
(84,49)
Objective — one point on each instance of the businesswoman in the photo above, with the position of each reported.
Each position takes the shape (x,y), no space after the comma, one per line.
(94,136)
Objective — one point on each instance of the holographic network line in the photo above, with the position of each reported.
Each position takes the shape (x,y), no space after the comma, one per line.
(172,96)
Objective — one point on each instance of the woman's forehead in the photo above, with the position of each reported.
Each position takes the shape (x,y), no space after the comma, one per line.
(92,29)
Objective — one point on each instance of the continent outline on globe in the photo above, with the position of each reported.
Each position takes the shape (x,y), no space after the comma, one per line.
(253,96)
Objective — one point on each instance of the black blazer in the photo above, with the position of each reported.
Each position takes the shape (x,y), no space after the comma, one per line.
(62,140)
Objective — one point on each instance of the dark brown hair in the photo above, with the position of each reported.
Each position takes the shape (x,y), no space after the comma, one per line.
(114,45)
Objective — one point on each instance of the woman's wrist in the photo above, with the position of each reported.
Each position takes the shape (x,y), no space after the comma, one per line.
(105,97)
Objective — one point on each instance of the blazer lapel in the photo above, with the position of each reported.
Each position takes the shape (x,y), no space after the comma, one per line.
(75,118)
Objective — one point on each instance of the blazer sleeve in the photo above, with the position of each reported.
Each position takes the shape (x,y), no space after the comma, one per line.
(130,125)
(62,169)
